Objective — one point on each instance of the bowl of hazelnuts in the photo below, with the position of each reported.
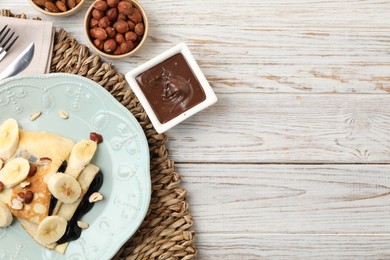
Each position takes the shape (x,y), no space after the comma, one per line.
(57,7)
(116,28)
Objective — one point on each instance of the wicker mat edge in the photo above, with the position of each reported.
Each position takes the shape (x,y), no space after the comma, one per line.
(166,232)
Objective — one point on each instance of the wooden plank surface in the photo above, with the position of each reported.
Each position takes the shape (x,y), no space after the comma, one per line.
(269,128)
(289,247)
(266,46)
(289,199)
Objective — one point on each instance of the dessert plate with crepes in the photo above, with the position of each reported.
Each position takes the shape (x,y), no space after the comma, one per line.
(74,169)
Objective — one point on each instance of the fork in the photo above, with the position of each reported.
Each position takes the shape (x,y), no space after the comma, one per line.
(5,47)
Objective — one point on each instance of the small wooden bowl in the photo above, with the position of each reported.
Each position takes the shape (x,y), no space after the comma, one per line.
(113,56)
(59,14)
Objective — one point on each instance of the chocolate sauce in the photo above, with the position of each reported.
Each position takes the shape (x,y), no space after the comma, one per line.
(63,166)
(171,88)
(73,231)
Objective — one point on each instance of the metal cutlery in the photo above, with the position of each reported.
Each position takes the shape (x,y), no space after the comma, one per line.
(5,47)
(20,63)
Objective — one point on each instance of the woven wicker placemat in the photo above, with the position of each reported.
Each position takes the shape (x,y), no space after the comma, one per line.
(166,232)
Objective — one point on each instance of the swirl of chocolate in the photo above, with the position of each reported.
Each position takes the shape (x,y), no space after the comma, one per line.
(171,88)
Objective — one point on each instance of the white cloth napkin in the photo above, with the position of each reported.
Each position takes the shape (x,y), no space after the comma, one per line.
(39,32)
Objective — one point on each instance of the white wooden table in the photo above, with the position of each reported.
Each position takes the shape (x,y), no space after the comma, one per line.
(293,160)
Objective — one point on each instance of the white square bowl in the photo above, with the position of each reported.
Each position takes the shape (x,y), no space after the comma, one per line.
(210,99)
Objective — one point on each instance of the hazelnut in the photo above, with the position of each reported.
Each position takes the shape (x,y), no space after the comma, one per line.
(110,32)
(119,38)
(139,29)
(131,36)
(93,22)
(110,45)
(28,197)
(112,3)
(61,6)
(98,138)
(121,17)
(104,22)
(92,32)
(121,26)
(97,14)
(51,7)
(32,171)
(131,25)
(118,51)
(72,3)
(41,3)
(124,7)
(135,15)
(100,5)
(127,46)
(98,43)
(100,34)
(112,14)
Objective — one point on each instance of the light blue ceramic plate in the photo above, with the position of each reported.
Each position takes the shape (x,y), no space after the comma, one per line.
(123,157)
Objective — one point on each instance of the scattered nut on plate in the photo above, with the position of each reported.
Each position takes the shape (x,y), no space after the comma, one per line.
(63,114)
(25,184)
(16,204)
(82,224)
(96,196)
(35,115)
(98,138)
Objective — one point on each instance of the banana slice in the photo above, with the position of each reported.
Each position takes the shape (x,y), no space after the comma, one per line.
(9,138)
(51,229)
(64,187)
(80,156)
(14,172)
(5,216)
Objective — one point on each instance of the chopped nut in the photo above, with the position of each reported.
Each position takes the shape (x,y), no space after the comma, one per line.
(1,163)
(1,185)
(21,196)
(98,138)
(25,184)
(82,224)
(96,196)
(35,115)
(63,114)
(43,161)
(16,204)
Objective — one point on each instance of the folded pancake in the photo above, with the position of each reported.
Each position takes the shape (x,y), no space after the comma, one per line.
(36,145)
(67,210)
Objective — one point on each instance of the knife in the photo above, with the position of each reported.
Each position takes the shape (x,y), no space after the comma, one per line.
(20,63)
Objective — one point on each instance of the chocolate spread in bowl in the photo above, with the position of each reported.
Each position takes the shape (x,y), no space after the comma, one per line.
(171,88)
